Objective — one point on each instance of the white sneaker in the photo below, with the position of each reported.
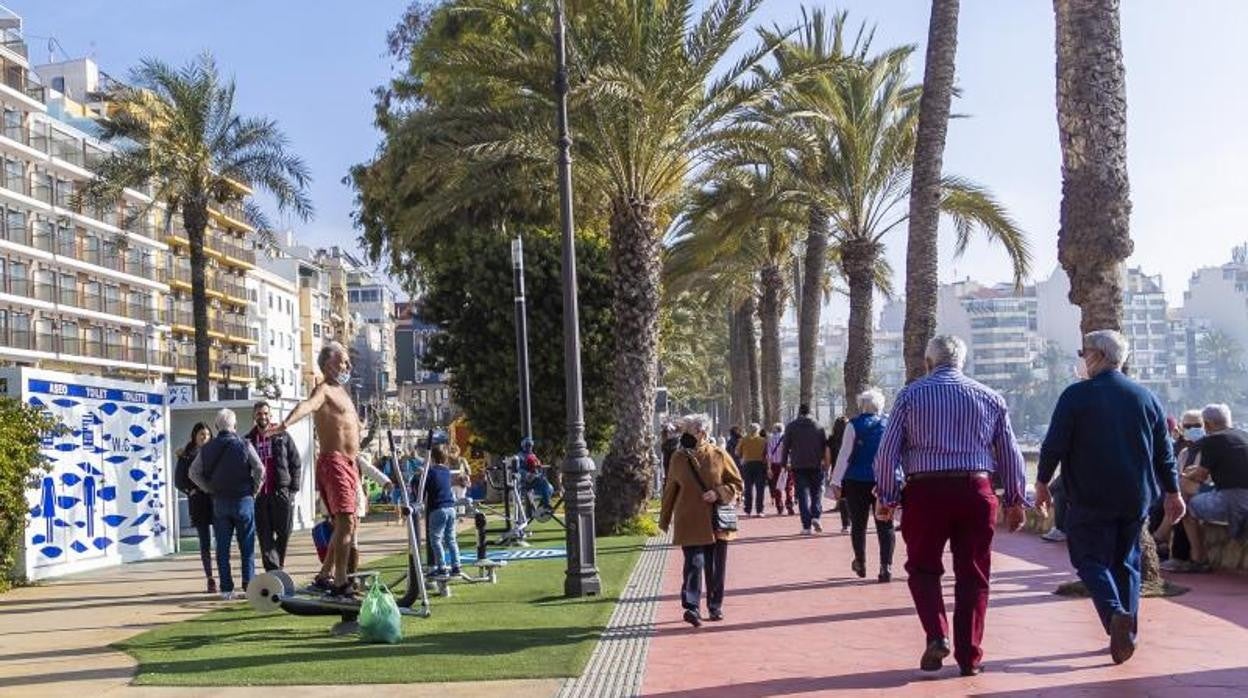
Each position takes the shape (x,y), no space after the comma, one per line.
(805,531)
(817,526)
(1054,536)
(227,596)
(761,515)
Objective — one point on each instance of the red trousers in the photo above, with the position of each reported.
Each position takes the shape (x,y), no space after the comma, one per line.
(789,488)
(963,512)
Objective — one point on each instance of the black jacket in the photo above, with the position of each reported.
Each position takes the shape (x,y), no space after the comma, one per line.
(804,443)
(285,458)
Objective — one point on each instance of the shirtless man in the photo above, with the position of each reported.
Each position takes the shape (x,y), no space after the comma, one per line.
(338,431)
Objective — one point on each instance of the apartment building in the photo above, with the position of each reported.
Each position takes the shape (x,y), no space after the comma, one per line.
(363,297)
(427,392)
(316,321)
(1218,297)
(81,289)
(274,314)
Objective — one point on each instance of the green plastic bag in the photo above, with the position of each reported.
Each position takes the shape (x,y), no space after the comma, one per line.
(379,615)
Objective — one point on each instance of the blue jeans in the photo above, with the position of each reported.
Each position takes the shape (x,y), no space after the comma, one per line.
(234,516)
(809,483)
(442,537)
(1105,551)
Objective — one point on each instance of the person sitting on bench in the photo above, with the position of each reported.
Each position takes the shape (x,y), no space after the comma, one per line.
(440,503)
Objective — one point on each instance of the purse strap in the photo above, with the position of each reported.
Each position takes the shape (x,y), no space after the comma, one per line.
(689,455)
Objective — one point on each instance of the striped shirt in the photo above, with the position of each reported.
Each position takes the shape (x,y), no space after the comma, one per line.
(948,422)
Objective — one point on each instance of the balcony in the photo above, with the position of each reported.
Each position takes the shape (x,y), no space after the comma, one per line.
(220,325)
(216,283)
(218,245)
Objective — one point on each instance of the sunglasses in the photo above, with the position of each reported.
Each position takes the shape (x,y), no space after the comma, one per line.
(1082,353)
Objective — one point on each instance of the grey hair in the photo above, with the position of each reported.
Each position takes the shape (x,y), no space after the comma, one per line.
(696,424)
(328,352)
(1191,416)
(1112,344)
(871,400)
(946,350)
(225,420)
(777,427)
(755,427)
(1217,415)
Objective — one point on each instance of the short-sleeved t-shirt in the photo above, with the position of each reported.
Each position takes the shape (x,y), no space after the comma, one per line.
(1225,456)
(752,448)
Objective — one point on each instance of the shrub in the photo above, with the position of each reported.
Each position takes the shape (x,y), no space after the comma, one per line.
(21,463)
(639,525)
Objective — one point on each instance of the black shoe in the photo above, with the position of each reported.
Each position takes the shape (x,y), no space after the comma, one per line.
(716,615)
(321,584)
(973,670)
(1121,637)
(886,574)
(691,617)
(859,567)
(934,655)
(455,572)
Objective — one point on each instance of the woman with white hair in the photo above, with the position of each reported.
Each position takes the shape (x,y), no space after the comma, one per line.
(701,477)
(779,479)
(854,478)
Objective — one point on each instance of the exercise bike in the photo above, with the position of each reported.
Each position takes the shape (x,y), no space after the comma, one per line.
(276,590)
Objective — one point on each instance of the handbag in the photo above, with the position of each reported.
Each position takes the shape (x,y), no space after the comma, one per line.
(723,516)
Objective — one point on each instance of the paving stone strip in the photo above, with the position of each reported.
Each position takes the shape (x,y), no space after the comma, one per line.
(616,667)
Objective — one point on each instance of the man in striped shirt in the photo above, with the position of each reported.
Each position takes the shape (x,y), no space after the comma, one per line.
(946,438)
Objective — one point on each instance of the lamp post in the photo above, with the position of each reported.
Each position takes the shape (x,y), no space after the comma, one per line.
(522,339)
(581,577)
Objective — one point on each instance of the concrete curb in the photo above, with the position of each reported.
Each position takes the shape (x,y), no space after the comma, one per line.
(618,664)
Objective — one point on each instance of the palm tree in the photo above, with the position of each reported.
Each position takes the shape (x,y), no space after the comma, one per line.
(929,150)
(178,130)
(855,135)
(1095,237)
(647,106)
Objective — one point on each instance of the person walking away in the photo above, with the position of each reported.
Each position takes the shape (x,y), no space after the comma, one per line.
(440,503)
(198,502)
(1223,458)
(805,451)
(853,482)
(670,442)
(229,469)
(946,436)
(337,425)
(283,473)
(1109,435)
(752,449)
(834,450)
(781,484)
(702,475)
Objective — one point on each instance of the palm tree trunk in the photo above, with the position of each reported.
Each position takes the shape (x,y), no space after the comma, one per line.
(624,484)
(858,260)
(921,249)
(771,307)
(195,219)
(1094,239)
(814,267)
(737,390)
(749,340)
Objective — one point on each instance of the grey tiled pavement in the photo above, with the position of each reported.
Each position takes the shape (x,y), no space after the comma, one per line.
(617,666)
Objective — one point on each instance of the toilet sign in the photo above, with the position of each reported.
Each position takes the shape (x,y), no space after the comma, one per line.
(179,395)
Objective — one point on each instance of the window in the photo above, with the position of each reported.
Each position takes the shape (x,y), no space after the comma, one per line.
(15,175)
(19,331)
(272,338)
(13,125)
(69,338)
(68,289)
(18,283)
(58,84)
(316,330)
(270,301)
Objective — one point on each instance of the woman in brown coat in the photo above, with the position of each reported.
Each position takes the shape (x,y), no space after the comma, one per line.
(691,506)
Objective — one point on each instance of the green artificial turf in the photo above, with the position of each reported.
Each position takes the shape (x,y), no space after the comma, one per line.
(521,627)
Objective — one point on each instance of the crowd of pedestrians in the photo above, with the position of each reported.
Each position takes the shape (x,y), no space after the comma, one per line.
(1111,467)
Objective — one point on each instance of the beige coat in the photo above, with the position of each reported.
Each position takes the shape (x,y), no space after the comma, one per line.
(682,497)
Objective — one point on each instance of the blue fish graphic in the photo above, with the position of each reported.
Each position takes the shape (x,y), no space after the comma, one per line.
(133,540)
(65,402)
(136,474)
(114,519)
(115,459)
(160,438)
(70,479)
(134,409)
(60,522)
(137,496)
(148,458)
(108,493)
(109,408)
(37,539)
(136,431)
(66,447)
(51,551)
(140,519)
(36,402)
(78,547)
(67,502)
(102,542)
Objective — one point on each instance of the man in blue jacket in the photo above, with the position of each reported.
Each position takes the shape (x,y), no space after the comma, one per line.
(1109,435)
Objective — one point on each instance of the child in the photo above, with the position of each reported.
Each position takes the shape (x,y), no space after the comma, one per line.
(440,505)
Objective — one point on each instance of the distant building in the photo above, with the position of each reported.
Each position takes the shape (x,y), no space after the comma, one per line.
(367,301)
(1218,297)
(426,392)
(278,358)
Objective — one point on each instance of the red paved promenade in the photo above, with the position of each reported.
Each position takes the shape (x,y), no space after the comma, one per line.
(799,623)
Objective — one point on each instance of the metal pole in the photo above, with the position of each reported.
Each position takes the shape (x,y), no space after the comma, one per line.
(522,339)
(581,577)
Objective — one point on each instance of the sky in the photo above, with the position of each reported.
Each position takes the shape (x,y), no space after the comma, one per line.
(312,65)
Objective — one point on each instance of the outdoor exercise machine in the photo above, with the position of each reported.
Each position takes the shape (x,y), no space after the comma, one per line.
(276,590)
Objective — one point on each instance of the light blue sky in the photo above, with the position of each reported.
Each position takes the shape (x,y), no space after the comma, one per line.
(312,65)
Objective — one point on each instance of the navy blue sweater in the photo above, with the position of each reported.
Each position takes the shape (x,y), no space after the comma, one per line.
(1109,435)
(438,493)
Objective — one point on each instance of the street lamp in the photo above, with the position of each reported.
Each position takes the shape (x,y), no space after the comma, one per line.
(226,370)
(581,577)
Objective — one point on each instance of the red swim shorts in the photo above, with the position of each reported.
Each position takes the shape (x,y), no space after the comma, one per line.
(337,479)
